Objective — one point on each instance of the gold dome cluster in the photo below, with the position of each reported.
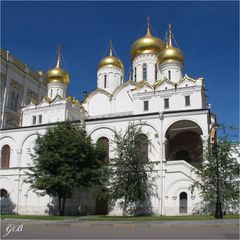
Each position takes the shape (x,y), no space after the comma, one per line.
(57,74)
(153,45)
(111,60)
(147,44)
(170,53)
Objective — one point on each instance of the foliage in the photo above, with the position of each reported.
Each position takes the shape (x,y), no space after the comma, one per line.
(130,180)
(154,218)
(226,152)
(118,218)
(64,159)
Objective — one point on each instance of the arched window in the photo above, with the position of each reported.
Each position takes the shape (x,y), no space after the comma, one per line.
(142,146)
(104,142)
(155,72)
(105,81)
(135,74)
(5,156)
(183,202)
(144,68)
(184,142)
(4,193)
(169,75)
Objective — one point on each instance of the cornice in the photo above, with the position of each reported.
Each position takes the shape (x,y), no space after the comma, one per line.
(20,65)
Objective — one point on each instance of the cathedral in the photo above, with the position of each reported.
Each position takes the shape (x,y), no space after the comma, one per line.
(170,106)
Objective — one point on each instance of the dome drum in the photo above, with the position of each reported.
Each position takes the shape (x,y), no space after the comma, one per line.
(110,72)
(143,58)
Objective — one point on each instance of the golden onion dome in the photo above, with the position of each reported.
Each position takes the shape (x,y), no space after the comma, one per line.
(170,53)
(147,45)
(57,74)
(111,60)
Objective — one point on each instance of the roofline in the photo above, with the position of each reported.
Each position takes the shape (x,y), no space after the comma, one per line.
(110,118)
(21,65)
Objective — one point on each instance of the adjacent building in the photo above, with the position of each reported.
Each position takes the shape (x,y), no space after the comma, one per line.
(19,85)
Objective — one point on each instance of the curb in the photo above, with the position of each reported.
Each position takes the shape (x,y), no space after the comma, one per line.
(122,224)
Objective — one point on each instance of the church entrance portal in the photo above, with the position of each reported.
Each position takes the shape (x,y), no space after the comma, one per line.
(183,202)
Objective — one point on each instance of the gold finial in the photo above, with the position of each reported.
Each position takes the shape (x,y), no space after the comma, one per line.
(148,25)
(58,57)
(169,35)
(110,47)
(166,40)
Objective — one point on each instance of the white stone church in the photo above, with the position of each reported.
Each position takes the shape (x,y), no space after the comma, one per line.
(170,106)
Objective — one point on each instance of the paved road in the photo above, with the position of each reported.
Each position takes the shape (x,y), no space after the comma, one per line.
(221,229)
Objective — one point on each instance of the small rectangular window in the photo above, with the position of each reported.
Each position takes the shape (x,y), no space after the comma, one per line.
(14,101)
(135,74)
(187,100)
(169,75)
(166,103)
(145,105)
(34,120)
(40,119)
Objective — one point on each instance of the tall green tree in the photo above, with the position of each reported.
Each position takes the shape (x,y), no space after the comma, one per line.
(226,151)
(130,172)
(64,159)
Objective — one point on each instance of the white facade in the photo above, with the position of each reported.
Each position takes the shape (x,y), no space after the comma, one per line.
(56,88)
(172,71)
(150,62)
(109,78)
(172,112)
(49,111)
(154,71)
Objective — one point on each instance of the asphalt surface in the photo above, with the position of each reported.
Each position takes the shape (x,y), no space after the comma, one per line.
(69,229)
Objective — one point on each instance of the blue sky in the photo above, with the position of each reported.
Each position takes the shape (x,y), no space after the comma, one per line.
(206,32)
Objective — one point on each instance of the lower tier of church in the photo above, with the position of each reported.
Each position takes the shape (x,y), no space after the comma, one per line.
(175,137)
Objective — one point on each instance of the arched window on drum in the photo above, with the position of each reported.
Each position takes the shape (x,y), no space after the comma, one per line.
(144,71)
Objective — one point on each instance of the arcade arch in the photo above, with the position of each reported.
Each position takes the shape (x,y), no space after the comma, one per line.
(184,142)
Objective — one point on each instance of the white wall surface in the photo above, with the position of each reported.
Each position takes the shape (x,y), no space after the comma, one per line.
(114,76)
